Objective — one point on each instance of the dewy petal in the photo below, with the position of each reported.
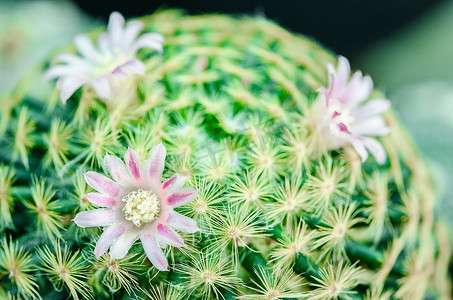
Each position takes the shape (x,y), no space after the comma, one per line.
(101,200)
(169,236)
(156,162)
(95,217)
(68,87)
(102,184)
(154,253)
(360,148)
(182,196)
(85,47)
(376,149)
(102,87)
(115,29)
(107,238)
(133,164)
(182,223)
(122,245)
(371,108)
(173,183)
(116,168)
(148,40)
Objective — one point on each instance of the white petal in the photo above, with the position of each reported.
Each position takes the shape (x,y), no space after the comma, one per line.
(102,87)
(102,184)
(116,169)
(376,149)
(68,87)
(122,245)
(148,40)
(96,217)
(181,196)
(131,32)
(371,126)
(154,253)
(174,183)
(169,236)
(360,148)
(156,162)
(371,108)
(107,238)
(133,164)
(86,47)
(115,29)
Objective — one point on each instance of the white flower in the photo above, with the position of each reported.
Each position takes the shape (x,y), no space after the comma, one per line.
(101,68)
(137,205)
(345,117)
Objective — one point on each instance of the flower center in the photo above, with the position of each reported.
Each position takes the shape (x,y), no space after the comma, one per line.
(108,63)
(340,115)
(141,207)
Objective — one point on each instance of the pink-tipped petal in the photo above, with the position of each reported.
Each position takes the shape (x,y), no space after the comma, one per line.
(169,236)
(102,184)
(95,217)
(133,164)
(122,245)
(102,87)
(116,169)
(182,223)
(156,162)
(360,148)
(376,149)
(155,255)
(107,238)
(68,87)
(173,183)
(101,200)
(182,196)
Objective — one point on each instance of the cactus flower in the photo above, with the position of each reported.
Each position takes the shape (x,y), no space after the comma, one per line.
(345,117)
(137,205)
(103,68)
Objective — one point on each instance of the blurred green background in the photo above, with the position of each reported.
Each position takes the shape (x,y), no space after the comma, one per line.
(406,46)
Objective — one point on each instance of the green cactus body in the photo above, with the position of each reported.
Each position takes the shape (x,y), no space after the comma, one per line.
(280,217)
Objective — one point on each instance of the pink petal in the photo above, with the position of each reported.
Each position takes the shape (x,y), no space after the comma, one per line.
(68,87)
(107,238)
(102,87)
(85,47)
(116,168)
(95,217)
(182,223)
(115,29)
(122,245)
(133,163)
(376,149)
(360,148)
(157,162)
(371,108)
(173,183)
(155,255)
(182,196)
(133,66)
(102,184)
(169,236)
(101,200)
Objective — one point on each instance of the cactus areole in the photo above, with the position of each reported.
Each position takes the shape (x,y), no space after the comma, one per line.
(209,157)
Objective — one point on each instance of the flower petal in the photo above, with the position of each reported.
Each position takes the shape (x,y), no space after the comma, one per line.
(360,148)
(131,32)
(133,66)
(376,149)
(116,168)
(156,162)
(101,200)
(122,245)
(102,87)
(68,87)
(155,255)
(115,29)
(149,40)
(169,236)
(133,164)
(95,217)
(102,184)
(173,183)
(107,238)
(370,126)
(371,108)
(182,223)
(85,47)
(182,196)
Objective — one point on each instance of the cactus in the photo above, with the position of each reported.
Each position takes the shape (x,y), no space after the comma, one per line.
(268,191)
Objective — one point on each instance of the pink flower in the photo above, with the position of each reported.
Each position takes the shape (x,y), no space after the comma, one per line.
(103,67)
(345,116)
(137,205)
